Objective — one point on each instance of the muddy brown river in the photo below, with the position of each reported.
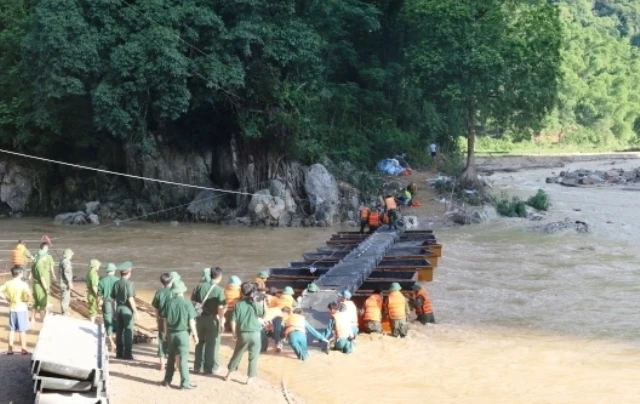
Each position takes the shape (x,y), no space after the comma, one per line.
(522,317)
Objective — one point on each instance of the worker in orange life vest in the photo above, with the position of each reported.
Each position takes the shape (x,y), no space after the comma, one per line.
(374,220)
(390,207)
(339,328)
(232,295)
(364,217)
(422,305)
(261,279)
(352,310)
(295,330)
(372,313)
(397,308)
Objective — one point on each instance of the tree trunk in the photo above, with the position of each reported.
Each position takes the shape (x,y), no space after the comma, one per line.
(469,174)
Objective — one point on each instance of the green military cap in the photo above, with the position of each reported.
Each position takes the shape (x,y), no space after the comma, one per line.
(288,291)
(68,253)
(416,286)
(125,266)
(175,277)
(111,268)
(263,274)
(235,281)
(94,263)
(395,286)
(346,294)
(313,287)
(178,287)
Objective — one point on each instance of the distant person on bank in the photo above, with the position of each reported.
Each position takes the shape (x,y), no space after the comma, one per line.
(433,149)
(16,292)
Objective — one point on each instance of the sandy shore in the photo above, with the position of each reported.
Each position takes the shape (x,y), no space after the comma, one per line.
(511,162)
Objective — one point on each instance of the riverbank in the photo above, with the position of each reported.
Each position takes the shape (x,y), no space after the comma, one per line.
(518,162)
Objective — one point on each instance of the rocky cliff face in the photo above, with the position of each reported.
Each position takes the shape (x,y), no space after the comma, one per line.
(290,195)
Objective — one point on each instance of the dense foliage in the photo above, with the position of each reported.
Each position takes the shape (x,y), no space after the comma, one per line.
(356,80)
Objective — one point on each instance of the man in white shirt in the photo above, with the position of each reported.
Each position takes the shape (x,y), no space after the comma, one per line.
(432,149)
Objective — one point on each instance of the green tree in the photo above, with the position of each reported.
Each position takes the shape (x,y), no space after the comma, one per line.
(490,62)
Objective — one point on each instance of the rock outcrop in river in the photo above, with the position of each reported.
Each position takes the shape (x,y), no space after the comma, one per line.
(584,177)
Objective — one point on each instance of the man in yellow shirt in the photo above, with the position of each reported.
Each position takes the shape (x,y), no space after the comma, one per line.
(17,293)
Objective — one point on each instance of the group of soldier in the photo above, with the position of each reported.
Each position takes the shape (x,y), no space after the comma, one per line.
(251,312)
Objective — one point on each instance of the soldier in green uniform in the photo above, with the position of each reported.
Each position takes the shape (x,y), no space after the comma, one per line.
(246,328)
(124,294)
(105,286)
(92,289)
(42,270)
(66,281)
(162,296)
(180,318)
(210,323)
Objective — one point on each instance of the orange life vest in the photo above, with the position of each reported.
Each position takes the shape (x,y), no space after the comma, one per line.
(231,295)
(374,218)
(295,322)
(342,324)
(273,301)
(397,306)
(385,218)
(17,256)
(426,304)
(373,308)
(352,311)
(390,203)
(285,301)
(261,283)
(364,213)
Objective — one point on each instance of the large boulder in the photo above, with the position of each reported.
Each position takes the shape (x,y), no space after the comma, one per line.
(91,207)
(15,186)
(563,225)
(322,190)
(266,209)
(204,205)
(71,218)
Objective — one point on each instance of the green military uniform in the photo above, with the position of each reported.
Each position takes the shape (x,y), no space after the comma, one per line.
(41,274)
(248,329)
(123,290)
(105,287)
(207,324)
(92,282)
(179,312)
(66,278)
(160,300)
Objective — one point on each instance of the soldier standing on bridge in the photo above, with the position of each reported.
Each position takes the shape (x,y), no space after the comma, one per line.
(124,294)
(66,281)
(105,286)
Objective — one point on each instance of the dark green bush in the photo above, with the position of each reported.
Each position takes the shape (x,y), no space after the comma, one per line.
(539,201)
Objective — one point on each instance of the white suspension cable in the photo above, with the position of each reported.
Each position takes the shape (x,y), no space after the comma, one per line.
(227,191)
